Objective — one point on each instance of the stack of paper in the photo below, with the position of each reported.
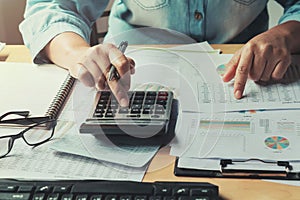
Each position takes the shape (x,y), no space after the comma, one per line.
(258,132)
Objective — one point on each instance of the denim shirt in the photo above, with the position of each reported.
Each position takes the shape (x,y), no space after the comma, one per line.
(217,21)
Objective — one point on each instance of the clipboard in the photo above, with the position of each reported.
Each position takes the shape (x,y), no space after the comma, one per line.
(228,171)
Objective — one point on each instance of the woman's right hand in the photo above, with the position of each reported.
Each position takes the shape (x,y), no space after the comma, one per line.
(91,65)
(92,69)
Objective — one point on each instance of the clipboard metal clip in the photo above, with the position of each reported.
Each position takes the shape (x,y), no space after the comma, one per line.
(224,163)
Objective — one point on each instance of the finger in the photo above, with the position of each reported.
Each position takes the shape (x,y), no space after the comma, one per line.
(121,63)
(84,76)
(122,66)
(132,65)
(281,68)
(94,71)
(242,72)
(269,68)
(101,84)
(119,92)
(258,68)
(231,67)
(119,87)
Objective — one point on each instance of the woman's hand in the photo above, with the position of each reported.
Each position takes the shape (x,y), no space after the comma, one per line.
(91,65)
(92,69)
(266,56)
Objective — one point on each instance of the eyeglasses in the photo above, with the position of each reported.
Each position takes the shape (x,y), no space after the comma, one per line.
(38,130)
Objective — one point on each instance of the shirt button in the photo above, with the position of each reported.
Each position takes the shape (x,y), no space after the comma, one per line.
(198,16)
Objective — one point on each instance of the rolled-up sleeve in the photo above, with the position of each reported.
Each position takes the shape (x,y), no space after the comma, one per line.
(44,19)
(291,10)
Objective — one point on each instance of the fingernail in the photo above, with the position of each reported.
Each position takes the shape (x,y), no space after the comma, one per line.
(238,94)
(123,102)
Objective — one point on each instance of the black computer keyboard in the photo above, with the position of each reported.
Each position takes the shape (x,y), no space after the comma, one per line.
(106,190)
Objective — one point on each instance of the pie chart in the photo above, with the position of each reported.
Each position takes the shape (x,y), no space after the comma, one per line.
(277,142)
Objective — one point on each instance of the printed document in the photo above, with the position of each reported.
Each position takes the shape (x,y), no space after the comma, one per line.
(43,163)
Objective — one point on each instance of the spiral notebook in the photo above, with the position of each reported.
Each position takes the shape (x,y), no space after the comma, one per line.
(40,89)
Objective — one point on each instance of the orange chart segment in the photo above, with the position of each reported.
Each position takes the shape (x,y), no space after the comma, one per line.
(277,142)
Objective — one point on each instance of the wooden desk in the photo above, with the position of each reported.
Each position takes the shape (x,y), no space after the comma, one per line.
(161,168)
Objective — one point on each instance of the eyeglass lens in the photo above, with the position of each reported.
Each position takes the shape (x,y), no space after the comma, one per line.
(33,135)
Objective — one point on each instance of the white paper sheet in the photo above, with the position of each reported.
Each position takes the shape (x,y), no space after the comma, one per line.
(26,86)
(271,135)
(132,156)
(43,163)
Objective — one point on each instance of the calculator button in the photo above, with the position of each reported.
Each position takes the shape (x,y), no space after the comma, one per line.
(162,102)
(139,93)
(104,97)
(147,111)
(149,102)
(150,97)
(98,115)
(163,93)
(123,110)
(160,111)
(109,114)
(135,111)
(137,101)
(113,106)
(137,97)
(103,101)
(101,106)
(100,110)
(110,110)
(151,93)
(136,106)
(162,97)
(105,93)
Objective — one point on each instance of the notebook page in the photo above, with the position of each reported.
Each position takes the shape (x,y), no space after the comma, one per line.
(25,86)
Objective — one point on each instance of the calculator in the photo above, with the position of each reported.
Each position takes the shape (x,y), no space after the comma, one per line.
(150,118)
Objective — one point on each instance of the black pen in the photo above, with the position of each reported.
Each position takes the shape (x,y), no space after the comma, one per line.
(113,73)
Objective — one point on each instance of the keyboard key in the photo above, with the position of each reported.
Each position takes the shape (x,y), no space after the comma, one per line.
(13,196)
(67,197)
(45,188)
(140,198)
(135,111)
(181,191)
(96,197)
(155,198)
(166,191)
(38,196)
(127,197)
(199,192)
(25,188)
(82,197)
(61,189)
(53,196)
(111,197)
(8,188)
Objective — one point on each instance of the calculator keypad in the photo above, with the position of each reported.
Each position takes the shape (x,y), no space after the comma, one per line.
(142,104)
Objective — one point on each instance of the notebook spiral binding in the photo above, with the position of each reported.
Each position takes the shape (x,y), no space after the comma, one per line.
(60,98)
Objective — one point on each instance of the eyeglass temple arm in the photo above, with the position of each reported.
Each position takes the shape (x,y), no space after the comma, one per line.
(25,121)
(20,113)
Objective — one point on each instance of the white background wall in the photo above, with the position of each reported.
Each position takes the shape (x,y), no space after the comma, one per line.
(11,14)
